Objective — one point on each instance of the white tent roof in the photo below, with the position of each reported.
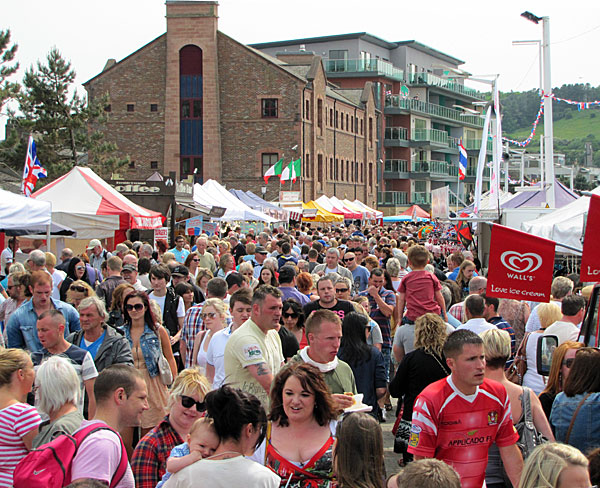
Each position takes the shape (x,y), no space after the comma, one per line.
(212,193)
(18,212)
(358,203)
(564,225)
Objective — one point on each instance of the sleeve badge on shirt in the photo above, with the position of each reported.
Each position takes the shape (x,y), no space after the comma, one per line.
(492,417)
(413,440)
(252,351)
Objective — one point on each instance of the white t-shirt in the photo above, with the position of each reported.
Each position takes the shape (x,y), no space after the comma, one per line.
(565,331)
(224,473)
(161,304)
(477,325)
(215,355)
(57,278)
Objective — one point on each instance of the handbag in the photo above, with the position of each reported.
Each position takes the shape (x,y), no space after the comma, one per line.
(529,437)
(402,436)
(518,368)
(164,369)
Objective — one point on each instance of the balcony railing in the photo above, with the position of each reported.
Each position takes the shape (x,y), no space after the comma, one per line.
(473,172)
(395,166)
(392,198)
(475,144)
(431,135)
(396,133)
(372,66)
(422,197)
(433,80)
(395,101)
(437,168)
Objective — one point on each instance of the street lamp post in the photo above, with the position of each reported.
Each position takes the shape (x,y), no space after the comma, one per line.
(548,128)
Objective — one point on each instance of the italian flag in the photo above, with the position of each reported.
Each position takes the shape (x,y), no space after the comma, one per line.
(274,170)
(292,171)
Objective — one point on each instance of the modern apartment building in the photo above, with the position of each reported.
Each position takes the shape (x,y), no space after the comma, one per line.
(425,110)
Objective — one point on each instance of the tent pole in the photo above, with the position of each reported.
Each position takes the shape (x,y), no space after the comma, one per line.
(48,238)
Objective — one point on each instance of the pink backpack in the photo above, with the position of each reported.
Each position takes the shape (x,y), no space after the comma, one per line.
(49,466)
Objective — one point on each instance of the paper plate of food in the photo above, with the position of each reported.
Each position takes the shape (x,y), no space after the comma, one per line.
(358,405)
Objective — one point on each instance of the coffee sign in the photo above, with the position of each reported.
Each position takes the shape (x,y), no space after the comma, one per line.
(520,265)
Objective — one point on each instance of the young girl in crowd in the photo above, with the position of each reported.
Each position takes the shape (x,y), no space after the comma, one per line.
(202,442)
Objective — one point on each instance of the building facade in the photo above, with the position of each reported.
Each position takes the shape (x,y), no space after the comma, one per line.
(426,110)
(197,102)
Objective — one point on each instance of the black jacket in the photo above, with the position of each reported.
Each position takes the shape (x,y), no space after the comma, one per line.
(114,349)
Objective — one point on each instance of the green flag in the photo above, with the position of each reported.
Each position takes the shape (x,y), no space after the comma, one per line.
(274,170)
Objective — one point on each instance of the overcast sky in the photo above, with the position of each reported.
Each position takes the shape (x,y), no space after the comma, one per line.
(88,33)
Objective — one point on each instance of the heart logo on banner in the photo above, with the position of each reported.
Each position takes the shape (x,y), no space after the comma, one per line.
(521,263)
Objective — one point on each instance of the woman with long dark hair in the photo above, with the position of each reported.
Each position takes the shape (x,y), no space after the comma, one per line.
(240,420)
(76,271)
(148,341)
(366,361)
(292,318)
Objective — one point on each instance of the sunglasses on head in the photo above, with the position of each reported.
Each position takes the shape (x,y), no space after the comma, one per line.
(79,288)
(189,402)
(209,315)
(290,315)
(138,307)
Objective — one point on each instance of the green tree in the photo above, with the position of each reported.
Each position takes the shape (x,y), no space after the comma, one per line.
(61,121)
(7,55)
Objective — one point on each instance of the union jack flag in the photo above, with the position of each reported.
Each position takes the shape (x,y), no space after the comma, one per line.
(33,169)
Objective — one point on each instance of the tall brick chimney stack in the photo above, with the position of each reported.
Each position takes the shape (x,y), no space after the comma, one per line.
(191,22)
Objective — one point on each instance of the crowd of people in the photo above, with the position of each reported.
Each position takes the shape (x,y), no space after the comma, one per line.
(271,358)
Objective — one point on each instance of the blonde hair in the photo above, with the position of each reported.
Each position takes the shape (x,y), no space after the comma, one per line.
(203,422)
(50,260)
(89,291)
(430,333)
(168,257)
(189,382)
(11,360)
(217,304)
(548,313)
(496,346)
(546,462)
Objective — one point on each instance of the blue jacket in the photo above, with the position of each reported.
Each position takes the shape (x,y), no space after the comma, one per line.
(21,328)
(151,348)
(586,428)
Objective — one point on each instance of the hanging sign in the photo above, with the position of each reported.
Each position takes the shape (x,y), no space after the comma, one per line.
(590,261)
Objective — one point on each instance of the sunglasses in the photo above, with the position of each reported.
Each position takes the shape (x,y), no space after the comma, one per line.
(138,307)
(341,290)
(8,287)
(568,362)
(196,260)
(189,402)
(79,268)
(290,315)
(79,288)
(347,260)
(210,315)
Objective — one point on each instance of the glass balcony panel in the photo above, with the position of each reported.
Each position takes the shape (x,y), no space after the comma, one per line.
(433,80)
(396,101)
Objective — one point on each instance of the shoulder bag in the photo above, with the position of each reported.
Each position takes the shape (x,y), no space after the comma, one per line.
(164,369)
(519,366)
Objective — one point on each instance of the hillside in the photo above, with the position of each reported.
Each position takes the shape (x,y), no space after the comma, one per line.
(572,128)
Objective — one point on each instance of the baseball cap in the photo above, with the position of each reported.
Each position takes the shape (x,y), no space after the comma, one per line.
(129,267)
(93,243)
(261,250)
(180,270)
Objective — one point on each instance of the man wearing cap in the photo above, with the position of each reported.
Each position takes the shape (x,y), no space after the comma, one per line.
(259,258)
(287,286)
(129,272)
(105,289)
(97,254)
(181,274)
(206,259)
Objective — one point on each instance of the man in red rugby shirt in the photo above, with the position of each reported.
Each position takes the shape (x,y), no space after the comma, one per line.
(456,419)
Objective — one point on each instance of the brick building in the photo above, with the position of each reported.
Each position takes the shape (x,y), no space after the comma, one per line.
(426,109)
(196,101)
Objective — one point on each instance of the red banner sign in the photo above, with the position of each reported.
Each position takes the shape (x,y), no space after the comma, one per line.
(590,261)
(520,265)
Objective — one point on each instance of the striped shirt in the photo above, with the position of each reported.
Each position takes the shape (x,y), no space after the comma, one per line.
(15,422)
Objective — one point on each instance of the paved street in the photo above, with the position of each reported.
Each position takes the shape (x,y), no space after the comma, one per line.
(391,458)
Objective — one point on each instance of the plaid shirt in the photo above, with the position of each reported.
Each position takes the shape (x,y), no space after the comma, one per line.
(149,461)
(458,312)
(192,324)
(389,297)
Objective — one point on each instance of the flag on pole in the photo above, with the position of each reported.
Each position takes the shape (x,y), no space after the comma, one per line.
(274,170)
(462,161)
(289,173)
(33,169)
(297,168)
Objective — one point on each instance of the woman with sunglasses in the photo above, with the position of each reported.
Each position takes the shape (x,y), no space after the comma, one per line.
(562,360)
(148,341)
(192,264)
(76,271)
(78,290)
(214,319)
(185,406)
(575,410)
(292,318)
(247,271)
(115,314)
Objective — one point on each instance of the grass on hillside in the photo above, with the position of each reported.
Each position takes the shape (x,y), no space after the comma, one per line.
(579,126)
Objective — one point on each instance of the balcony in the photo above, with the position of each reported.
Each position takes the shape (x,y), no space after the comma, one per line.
(450,85)
(472,171)
(392,198)
(445,113)
(376,67)
(431,135)
(475,144)
(421,198)
(395,169)
(435,168)
(396,133)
